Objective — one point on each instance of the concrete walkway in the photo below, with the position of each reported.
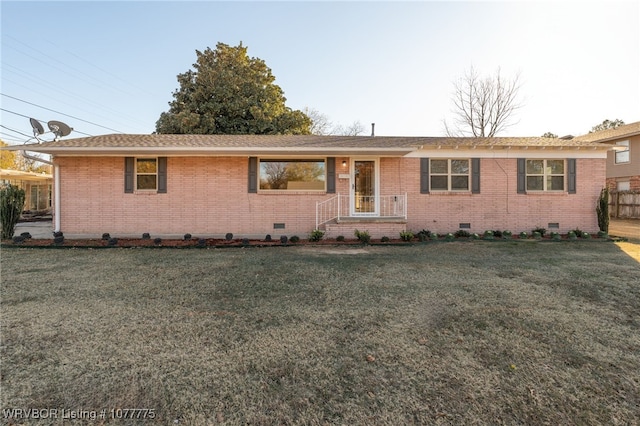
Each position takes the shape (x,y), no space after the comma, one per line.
(627,228)
(39,230)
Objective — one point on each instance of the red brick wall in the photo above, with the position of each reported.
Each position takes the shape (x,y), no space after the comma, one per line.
(208,196)
(500,207)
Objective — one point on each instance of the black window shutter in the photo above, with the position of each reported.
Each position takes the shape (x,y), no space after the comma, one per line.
(475,175)
(571,181)
(424,175)
(522,177)
(128,175)
(331,175)
(162,175)
(253,175)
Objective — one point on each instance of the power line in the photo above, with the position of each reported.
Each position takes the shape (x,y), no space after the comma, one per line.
(61,113)
(31,78)
(15,131)
(42,121)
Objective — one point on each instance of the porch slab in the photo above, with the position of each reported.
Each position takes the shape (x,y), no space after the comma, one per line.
(371,219)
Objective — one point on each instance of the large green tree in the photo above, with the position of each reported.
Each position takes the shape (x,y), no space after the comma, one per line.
(228,92)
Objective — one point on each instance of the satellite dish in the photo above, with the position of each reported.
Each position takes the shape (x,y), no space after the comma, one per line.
(37,127)
(59,128)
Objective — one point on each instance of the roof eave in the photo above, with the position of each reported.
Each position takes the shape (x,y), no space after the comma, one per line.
(221,151)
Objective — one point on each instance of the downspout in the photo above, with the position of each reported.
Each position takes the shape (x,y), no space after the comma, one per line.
(56,187)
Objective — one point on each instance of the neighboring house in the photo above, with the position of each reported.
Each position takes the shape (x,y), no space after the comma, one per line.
(251,186)
(623,163)
(37,187)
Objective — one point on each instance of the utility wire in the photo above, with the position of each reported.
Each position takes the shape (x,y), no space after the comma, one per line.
(15,131)
(25,75)
(61,113)
(41,121)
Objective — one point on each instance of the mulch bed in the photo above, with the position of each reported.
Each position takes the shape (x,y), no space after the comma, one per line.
(223,243)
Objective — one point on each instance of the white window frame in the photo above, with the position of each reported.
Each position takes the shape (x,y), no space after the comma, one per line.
(449,175)
(624,152)
(545,174)
(136,174)
(322,160)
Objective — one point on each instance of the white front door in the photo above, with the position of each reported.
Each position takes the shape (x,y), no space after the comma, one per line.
(364,187)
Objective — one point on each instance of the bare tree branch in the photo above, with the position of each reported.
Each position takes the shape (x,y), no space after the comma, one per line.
(483,107)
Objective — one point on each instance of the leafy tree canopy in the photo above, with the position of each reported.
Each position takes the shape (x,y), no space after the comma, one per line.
(228,92)
(7,158)
(607,124)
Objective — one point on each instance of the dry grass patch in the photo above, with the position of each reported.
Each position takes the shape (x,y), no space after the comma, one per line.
(459,333)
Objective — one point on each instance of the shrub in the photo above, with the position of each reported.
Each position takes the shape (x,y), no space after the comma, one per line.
(578,232)
(294,239)
(586,235)
(157,241)
(433,236)
(449,237)
(602,210)
(537,235)
(18,239)
(523,235)
(316,235)
(506,234)
(245,242)
(58,240)
(363,236)
(475,236)
(146,236)
(488,235)
(11,205)
(423,235)
(384,239)
(461,233)
(187,236)
(112,242)
(106,236)
(340,238)
(202,242)
(58,234)
(26,235)
(539,230)
(228,236)
(555,236)
(284,239)
(268,238)
(497,234)
(572,235)
(406,235)
(603,234)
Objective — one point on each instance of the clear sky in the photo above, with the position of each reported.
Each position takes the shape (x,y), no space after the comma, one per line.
(107,67)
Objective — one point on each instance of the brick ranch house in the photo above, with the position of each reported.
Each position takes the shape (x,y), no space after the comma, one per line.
(251,186)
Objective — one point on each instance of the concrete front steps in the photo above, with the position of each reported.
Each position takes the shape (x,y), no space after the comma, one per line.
(377,227)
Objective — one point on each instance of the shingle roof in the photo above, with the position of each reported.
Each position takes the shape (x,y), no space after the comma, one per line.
(608,135)
(244,144)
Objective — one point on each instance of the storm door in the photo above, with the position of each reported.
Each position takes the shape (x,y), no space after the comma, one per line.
(364,191)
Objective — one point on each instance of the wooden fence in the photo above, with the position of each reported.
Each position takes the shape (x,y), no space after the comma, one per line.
(624,204)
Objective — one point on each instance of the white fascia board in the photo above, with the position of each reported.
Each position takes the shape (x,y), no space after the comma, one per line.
(200,151)
(513,152)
